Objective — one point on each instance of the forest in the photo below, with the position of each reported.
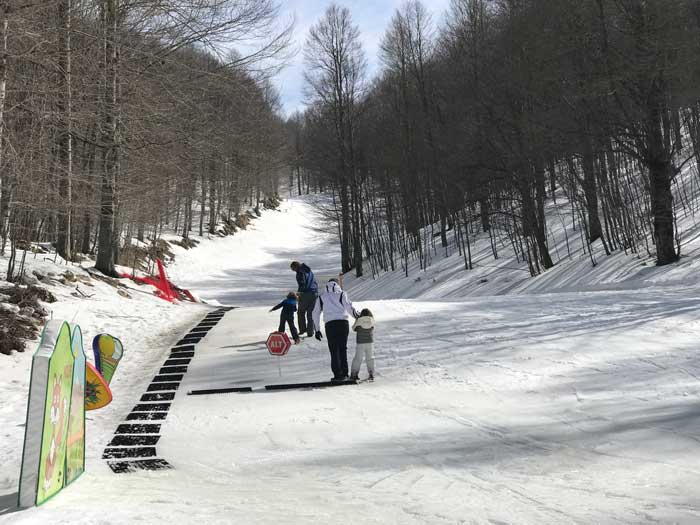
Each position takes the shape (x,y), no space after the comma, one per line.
(476,119)
(122,118)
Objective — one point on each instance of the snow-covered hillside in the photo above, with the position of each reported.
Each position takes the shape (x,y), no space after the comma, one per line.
(579,406)
(574,269)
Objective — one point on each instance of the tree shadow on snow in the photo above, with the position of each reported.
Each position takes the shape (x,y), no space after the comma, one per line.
(520,324)
(635,437)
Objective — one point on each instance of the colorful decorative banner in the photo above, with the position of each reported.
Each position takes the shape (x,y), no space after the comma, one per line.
(62,386)
(108,352)
(75,454)
(97,391)
(46,429)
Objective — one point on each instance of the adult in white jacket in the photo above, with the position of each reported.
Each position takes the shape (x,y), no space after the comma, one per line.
(335,306)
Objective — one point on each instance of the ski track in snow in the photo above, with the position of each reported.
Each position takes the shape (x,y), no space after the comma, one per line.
(572,407)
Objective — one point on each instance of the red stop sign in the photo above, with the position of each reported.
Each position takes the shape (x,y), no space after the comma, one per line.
(278,343)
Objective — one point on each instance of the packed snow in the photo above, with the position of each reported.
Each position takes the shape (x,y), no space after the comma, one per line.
(579,406)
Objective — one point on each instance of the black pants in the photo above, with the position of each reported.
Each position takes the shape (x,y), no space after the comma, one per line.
(337,335)
(289,319)
(307,301)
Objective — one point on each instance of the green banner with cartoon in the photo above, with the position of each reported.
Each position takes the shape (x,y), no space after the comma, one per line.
(54,440)
(75,452)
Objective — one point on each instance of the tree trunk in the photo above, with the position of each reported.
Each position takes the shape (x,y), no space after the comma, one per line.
(660,177)
(485,207)
(552,180)
(65,137)
(345,230)
(4,176)
(85,244)
(107,239)
(141,231)
(358,219)
(5,195)
(533,226)
(202,199)
(213,206)
(590,190)
(662,209)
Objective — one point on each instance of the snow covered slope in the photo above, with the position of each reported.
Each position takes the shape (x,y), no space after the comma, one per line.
(567,407)
(252,267)
(146,325)
(574,269)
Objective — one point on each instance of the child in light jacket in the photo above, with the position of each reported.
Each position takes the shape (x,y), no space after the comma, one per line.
(364,327)
(288,306)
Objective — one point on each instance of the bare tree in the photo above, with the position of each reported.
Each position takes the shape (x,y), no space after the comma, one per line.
(335,69)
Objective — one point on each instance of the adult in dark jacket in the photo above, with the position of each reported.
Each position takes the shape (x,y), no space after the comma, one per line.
(288,306)
(308,292)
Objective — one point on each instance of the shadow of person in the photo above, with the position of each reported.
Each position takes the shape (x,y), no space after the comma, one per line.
(247,345)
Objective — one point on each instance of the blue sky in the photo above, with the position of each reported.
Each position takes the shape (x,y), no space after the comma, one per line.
(372,17)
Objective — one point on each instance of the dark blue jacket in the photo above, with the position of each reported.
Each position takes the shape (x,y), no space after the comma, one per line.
(306,280)
(289,306)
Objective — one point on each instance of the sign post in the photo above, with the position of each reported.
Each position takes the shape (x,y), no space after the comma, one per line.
(278,344)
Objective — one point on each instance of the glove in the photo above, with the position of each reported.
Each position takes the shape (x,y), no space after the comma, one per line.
(319,336)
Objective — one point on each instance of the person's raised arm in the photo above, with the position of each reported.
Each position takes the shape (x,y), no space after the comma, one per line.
(349,308)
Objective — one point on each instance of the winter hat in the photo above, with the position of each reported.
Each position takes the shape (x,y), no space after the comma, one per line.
(333,286)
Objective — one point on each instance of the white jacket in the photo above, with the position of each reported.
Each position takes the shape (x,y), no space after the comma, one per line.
(334,304)
(365,322)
